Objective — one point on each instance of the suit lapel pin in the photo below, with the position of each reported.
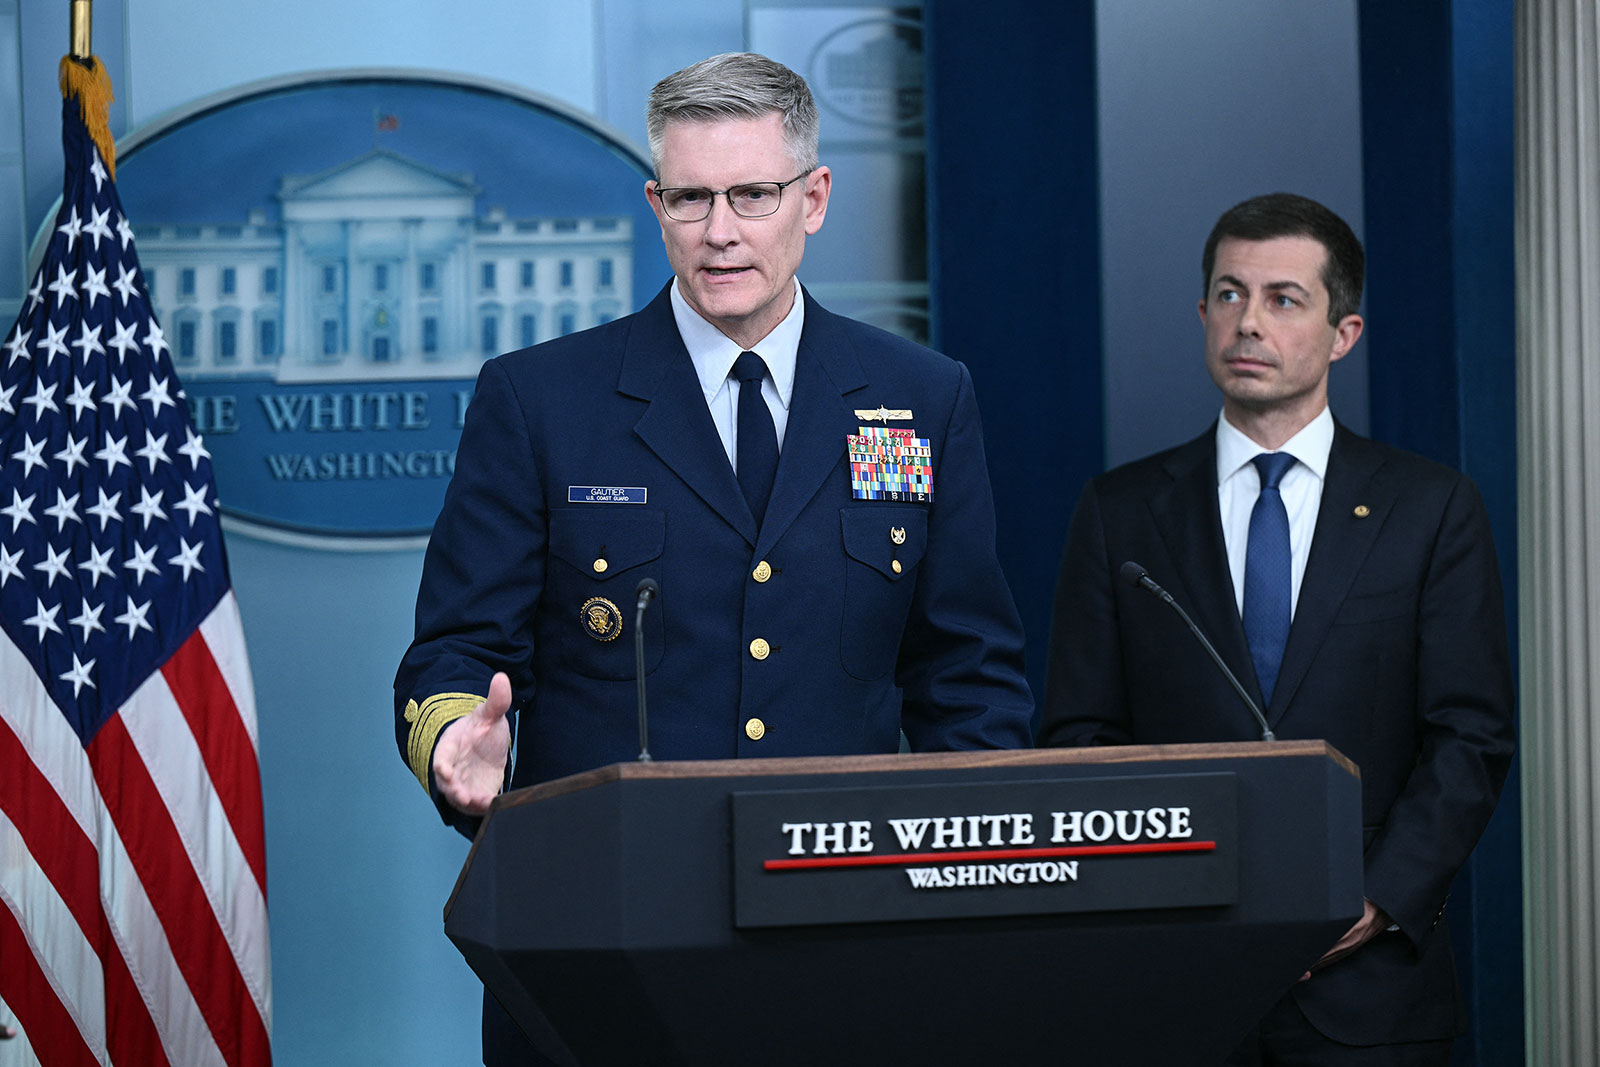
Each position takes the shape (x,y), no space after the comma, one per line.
(1362,511)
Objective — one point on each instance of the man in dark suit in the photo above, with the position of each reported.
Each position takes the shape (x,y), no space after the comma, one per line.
(811,494)
(1351,586)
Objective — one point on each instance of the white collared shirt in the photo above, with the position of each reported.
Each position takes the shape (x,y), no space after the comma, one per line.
(713,353)
(1239,484)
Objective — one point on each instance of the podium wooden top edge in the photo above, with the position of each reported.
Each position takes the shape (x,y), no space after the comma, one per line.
(919,761)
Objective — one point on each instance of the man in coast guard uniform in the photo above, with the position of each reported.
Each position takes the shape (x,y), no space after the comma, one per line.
(809,492)
(1351,587)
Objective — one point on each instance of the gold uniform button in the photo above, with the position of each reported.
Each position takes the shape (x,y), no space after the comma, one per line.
(896,566)
(600,566)
(755,729)
(760,649)
(762,572)
(1362,511)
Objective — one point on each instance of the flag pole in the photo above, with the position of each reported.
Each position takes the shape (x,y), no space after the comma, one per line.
(83,77)
(80,31)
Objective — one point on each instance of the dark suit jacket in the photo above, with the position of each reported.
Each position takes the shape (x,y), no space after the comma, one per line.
(1397,656)
(859,649)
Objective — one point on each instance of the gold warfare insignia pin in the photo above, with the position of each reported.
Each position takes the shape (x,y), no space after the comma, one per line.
(883,414)
(600,618)
(897,534)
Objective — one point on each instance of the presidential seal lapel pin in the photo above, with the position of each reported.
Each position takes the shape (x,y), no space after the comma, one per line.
(600,618)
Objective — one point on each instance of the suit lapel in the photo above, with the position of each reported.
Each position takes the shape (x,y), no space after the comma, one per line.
(1338,549)
(1187,516)
(677,425)
(826,369)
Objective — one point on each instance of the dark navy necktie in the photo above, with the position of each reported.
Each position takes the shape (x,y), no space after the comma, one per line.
(1267,574)
(758,439)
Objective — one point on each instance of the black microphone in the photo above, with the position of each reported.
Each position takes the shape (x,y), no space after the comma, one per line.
(1136,575)
(648,590)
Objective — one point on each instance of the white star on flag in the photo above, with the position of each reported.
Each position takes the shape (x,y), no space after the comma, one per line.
(63,286)
(44,620)
(88,619)
(133,618)
(79,674)
(118,396)
(94,286)
(125,287)
(55,343)
(43,399)
(17,346)
(31,454)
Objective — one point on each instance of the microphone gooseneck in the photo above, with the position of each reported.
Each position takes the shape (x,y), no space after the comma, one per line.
(647,591)
(1135,575)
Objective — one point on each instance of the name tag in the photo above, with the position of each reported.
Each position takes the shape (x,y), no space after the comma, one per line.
(607,494)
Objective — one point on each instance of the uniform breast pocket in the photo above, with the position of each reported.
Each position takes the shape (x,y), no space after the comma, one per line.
(597,556)
(882,547)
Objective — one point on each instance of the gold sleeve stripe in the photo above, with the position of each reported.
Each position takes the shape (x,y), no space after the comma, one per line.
(427,719)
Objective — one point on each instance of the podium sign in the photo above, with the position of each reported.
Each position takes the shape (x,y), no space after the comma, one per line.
(898,853)
(654,913)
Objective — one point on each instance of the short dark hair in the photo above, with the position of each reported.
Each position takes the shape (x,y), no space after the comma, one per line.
(1263,218)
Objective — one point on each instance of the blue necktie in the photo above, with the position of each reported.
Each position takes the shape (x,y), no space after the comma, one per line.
(1267,574)
(758,439)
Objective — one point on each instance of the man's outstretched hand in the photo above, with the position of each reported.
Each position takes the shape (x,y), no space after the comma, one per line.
(469,761)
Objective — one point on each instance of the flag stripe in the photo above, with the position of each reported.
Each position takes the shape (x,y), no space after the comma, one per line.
(51,976)
(67,861)
(178,898)
(156,728)
(225,746)
(58,758)
(58,845)
(224,633)
(143,943)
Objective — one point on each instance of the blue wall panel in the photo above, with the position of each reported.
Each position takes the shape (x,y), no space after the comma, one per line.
(1438,121)
(1014,251)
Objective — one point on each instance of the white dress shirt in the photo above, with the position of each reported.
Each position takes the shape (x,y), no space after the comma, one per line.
(713,353)
(1239,484)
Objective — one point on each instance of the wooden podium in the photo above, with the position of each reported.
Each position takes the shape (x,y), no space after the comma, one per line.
(1141,905)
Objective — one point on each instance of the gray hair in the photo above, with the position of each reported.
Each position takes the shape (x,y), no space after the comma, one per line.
(735,85)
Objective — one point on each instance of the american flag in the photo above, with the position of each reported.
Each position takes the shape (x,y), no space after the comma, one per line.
(133,923)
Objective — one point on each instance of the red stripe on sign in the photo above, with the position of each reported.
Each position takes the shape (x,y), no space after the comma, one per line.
(66,856)
(44,1020)
(178,898)
(230,757)
(981,855)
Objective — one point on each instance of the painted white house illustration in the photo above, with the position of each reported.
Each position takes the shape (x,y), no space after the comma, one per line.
(380,269)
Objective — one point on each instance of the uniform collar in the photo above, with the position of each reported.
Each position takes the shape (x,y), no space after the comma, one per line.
(713,352)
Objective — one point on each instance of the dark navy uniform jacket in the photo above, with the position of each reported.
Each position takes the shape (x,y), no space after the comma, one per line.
(876,616)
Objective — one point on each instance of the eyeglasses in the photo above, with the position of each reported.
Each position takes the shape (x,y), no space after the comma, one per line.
(755,200)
